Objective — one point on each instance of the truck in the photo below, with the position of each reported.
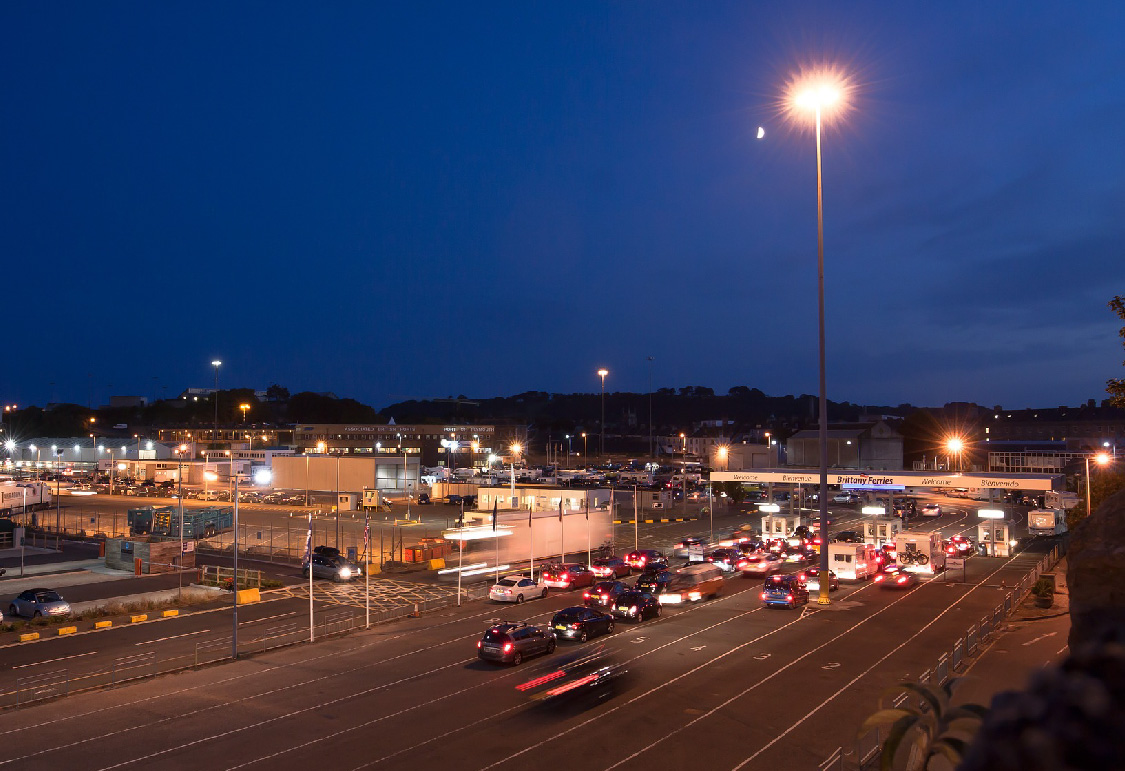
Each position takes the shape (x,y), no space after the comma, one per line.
(1041,522)
(165,521)
(18,497)
(920,552)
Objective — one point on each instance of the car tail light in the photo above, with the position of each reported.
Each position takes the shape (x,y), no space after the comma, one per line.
(902,579)
(507,647)
(479,643)
(802,577)
(879,578)
(574,626)
(951,550)
(605,598)
(789,597)
(585,595)
(763,595)
(564,577)
(633,610)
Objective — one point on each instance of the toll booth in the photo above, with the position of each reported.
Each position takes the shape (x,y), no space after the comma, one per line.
(881,530)
(774,527)
(993,538)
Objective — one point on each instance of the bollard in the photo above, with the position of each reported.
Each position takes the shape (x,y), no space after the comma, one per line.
(415,614)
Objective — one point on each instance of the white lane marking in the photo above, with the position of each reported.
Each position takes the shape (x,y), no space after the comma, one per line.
(762,657)
(851,682)
(831,665)
(699,647)
(52,661)
(1037,639)
(172,637)
(268,618)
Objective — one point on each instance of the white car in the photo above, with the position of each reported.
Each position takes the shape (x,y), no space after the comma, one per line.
(516,589)
(845,497)
(931,510)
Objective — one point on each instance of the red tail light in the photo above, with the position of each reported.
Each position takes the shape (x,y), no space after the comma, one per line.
(763,595)
(879,578)
(479,643)
(789,597)
(605,598)
(585,595)
(902,579)
(564,577)
(507,647)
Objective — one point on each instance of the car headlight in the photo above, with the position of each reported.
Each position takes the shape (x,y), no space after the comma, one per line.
(345,572)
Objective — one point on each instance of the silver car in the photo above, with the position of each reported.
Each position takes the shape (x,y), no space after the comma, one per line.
(334,567)
(39,602)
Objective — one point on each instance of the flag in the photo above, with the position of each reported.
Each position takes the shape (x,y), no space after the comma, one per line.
(560,509)
(529,515)
(308,542)
(366,531)
(493,513)
(587,506)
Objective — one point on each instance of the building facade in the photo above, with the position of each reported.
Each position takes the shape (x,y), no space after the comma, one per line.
(435,445)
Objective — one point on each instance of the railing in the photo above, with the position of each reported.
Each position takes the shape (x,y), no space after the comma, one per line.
(867,747)
(102,672)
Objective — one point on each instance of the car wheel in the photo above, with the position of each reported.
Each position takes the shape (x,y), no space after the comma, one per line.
(544,594)
(517,659)
(12,610)
(36,614)
(582,637)
(519,599)
(656,612)
(551,647)
(609,627)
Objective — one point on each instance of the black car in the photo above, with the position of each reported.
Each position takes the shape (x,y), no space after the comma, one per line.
(584,678)
(603,594)
(653,581)
(454,500)
(636,606)
(511,643)
(847,536)
(581,623)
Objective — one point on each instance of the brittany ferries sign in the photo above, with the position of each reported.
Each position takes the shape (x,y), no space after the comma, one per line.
(894,479)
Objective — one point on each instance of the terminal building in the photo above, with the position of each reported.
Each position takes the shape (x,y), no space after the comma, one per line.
(431,444)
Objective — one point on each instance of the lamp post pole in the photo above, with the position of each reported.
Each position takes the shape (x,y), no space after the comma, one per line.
(650,450)
(215,432)
(180,495)
(601,453)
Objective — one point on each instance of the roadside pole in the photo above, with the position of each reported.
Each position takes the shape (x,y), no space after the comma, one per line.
(636,514)
(234,637)
(461,552)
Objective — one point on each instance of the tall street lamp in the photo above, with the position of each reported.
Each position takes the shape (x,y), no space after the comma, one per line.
(818,94)
(602,373)
(216,364)
(244,407)
(585,450)
(956,445)
(1101,459)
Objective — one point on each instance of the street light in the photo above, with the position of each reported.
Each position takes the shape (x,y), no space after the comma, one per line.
(602,373)
(724,452)
(180,495)
(1102,459)
(956,445)
(818,92)
(244,407)
(216,364)
(585,450)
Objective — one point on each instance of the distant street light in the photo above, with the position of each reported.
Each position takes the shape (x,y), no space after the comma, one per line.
(216,364)
(956,445)
(244,407)
(1102,459)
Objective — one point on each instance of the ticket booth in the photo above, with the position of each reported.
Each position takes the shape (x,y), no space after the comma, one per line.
(775,528)
(881,530)
(993,538)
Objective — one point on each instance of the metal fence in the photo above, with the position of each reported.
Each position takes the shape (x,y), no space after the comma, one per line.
(865,752)
(108,671)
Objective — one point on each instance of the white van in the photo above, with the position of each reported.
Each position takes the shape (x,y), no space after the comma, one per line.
(209,495)
(852,561)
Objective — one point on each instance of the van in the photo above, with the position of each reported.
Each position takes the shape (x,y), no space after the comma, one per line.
(209,495)
(852,561)
(695,582)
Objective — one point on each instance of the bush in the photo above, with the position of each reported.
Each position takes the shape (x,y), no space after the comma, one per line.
(1044,587)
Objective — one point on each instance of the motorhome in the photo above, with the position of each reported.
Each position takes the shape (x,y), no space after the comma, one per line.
(852,561)
(920,552)
(1046,522)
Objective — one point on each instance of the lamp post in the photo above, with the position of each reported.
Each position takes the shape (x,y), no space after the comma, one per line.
(817,96)
(215,432)
(244,407)
(180,499)
(956,446)
(1101,459)
(585,450)
(35,450)
(602,373)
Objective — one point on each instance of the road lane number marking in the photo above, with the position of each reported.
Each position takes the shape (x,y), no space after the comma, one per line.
(762,657)
(638,639)
(699,647)
(831,665)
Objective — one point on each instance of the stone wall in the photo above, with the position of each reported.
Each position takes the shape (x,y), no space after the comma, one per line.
(1096,574)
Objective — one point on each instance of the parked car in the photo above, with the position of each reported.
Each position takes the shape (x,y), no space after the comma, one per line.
(811,577)
(603,594)
(33,603)
(896,577)
(636,606)
(786,591)
(516,589)
(570,575)
(511,643)
(645,558)
(581,623)
(759,564)
(653,581)
(336,568)
(610,567)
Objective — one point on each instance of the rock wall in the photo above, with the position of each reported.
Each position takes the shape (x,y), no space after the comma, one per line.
(1096,575)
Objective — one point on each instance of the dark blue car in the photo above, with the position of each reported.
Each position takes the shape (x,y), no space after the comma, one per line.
(784,591)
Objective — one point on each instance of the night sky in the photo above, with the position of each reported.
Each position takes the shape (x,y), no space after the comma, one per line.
(422,200)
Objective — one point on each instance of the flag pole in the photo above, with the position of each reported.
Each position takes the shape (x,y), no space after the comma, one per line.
(308,561)
(636,507)
(562,533)
(495,537)
(460,549)
(531,542)
(366,565)
(589,551)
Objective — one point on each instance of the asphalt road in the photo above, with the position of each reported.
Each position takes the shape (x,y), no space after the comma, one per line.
(723,681)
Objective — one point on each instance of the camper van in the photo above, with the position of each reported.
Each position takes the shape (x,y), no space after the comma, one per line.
(920,552)
(1046,522)
(852,561)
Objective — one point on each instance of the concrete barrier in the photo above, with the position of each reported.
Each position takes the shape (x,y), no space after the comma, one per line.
(170,613)
(102,624)
(29,636)
(68,630)
(437,564)
(247,596)
(138,618)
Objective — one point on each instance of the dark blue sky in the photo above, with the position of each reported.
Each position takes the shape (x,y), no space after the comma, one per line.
(415,200)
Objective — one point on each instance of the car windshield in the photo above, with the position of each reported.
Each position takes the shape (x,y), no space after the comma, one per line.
(48,597)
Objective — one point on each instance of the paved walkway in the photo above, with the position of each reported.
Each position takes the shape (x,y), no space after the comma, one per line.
(385,592)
